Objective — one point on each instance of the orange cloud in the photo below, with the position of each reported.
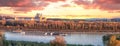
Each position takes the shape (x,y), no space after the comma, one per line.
(63,7)
(108,5)
(54,0)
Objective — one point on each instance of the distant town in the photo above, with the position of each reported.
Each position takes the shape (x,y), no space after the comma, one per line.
(40,23)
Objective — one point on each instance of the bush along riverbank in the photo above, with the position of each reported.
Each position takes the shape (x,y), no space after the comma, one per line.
(26,43)
(111,40)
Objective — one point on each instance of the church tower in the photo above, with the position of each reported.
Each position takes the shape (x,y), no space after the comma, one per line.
(16,18)
(39,17)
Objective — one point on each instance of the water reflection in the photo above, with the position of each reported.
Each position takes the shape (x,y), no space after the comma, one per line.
(84,39)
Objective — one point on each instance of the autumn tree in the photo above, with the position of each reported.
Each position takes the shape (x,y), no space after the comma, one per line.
(58,41)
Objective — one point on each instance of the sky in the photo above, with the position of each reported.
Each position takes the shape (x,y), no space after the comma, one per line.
(68,9)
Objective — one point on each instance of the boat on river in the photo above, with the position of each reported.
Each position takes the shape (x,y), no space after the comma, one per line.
(18,31)
(55,33)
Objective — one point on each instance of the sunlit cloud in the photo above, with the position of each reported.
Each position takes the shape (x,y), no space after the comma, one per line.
(62,8)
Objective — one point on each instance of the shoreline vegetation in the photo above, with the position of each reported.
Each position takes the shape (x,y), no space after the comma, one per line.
(26,43)
(29,43)
(63,26)
(59,40)
(106,40)
(111,40)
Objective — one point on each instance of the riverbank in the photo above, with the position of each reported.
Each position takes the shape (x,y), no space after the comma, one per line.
(63,32)
(57,30)
(74,38)
(26,43)
(82,39)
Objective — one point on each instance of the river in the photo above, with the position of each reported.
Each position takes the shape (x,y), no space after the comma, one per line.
(79,38)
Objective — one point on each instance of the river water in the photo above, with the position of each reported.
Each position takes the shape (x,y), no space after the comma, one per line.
(79,38)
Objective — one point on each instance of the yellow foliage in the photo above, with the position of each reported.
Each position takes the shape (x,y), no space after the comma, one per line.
(58,41)
(113,41)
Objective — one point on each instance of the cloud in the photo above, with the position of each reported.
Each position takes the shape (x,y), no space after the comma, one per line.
(100,4)
(24,3)
(108,1)
(54,0)
(24,9)
(28,5)
(15,3)
(66,5)
(108,4)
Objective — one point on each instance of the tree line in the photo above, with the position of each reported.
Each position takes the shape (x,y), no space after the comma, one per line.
(60,25)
